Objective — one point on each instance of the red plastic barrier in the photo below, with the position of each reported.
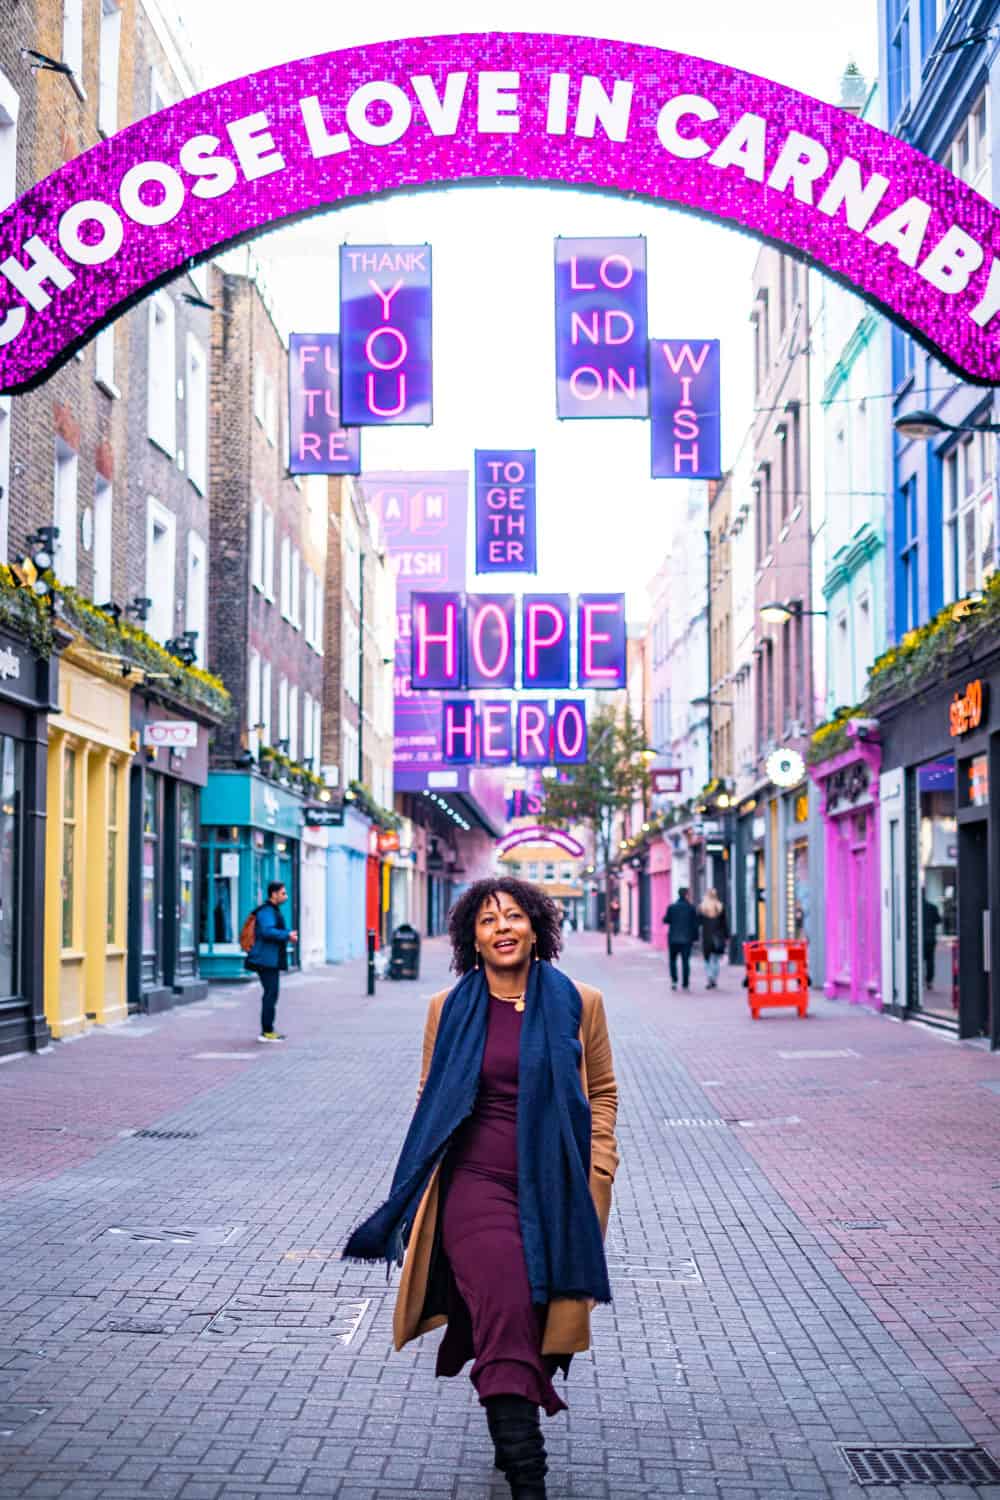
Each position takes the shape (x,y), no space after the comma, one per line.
(777,974)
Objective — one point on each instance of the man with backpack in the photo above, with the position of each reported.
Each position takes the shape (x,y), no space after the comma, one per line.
(265,940)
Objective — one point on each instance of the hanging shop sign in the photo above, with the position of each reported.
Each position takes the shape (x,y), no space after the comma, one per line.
(966,710)
(134,210)
(317,443)
(505,511)
(468,642)
(501,732)
(686,409)
(171,734)
(785,768)
(666,781)
(385,335)
(601,343)
(388,842)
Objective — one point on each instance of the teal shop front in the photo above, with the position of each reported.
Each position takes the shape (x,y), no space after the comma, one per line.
(251,834)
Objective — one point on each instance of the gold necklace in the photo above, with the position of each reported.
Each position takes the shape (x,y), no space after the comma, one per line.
(516,1000)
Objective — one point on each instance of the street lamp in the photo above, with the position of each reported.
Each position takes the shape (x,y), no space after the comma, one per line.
(780,614)
(927,424)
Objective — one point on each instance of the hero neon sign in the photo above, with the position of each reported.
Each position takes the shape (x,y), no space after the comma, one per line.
(168,191)
(528,732)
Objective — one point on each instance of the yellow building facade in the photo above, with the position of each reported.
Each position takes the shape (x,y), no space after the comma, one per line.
(87,846)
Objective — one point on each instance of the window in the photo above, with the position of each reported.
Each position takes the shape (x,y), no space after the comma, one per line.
(285,576)
(351,664)
(197,414)
(64,512)
(69,844)
(293,723)
(104,361)
(295,601)
(159,94)
(785,501)
(114,779)
(196,598)
(969,514)
(317,640)
(968,156)
(257,545)
(265,401)
(265,703)
(864,644)
(768,507)
(253,703)
(308,755)
(160,569)
(283,713)
(898,29)
(937,843)
(9,107)
(185,893)
(111,31)
(72,46)
(317,710)
(908,580)
(550,872)
(308,606)
(103,514)
(4,474)
(269,555)
(150,840)
(162,374)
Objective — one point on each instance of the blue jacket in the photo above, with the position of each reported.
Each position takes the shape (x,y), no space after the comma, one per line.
(683,921)
(269,950)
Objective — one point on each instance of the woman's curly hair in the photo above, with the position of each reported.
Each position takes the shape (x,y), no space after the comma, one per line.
(543,913)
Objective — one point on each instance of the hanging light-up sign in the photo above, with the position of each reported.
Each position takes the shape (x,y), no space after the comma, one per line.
(385,335)
(530,732)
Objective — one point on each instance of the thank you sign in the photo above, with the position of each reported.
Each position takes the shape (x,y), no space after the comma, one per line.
(601,350)
(385,333)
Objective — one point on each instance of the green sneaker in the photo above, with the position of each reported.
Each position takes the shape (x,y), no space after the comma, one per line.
(272,1036)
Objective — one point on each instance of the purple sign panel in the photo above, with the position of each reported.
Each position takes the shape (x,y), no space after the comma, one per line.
(686,424)
(545,641)
(132,211)
(459,731)
(489,642)
(496,736)
(423,519)
(385,332)
(317,444)
(437,639)
(601,346)
(600,641)
(505,511)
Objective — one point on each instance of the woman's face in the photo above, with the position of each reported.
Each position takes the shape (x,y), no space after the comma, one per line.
(504,933)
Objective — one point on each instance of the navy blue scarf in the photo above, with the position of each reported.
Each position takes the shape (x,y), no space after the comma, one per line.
(563,1245)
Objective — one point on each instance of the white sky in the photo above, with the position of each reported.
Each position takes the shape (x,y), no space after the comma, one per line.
(603,524)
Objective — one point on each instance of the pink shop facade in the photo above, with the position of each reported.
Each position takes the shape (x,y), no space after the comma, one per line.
(848,786)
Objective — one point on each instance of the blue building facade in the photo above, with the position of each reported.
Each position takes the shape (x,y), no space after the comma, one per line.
(939,836)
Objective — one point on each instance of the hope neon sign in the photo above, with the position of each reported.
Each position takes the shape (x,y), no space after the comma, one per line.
(469,641)
(170,190)
(499,732)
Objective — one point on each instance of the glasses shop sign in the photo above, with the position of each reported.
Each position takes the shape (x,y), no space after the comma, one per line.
(171,734)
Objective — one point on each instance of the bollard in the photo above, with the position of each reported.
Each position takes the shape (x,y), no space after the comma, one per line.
(371,961)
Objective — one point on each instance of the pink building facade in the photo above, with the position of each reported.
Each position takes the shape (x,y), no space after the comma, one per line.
(661,892)
(848,786)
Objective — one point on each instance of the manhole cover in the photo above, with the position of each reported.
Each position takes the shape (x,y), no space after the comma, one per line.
(182,1234)
(707,1124)
(290,1318)
(133,1325)
(166,1135)
(951,1465)
(860,1223)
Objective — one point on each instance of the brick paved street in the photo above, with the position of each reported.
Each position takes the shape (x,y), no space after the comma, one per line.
(804,1253)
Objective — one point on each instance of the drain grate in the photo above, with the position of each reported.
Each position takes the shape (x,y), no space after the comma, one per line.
(952,1465)
(166,1135)
(260,1321)
(860,1223)
(683,1121)
(208,1238)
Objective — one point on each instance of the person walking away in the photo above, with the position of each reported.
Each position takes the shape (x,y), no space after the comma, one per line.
(502,1193)
(682,928)
(714,934)
(268,957)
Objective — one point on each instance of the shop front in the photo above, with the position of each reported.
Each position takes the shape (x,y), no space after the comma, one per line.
(346,886)
(315,856)
(751,871)
(945,882)
(86,845)
(27,686)
(848,790)
(660,890)
(251,835)
(168,775)
(798,904)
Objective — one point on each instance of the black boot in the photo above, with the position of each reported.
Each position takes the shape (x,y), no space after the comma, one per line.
(520,1448)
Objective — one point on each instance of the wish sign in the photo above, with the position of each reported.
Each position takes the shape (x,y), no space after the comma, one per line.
(385,333)
(686,409)
(499,732)
(317,444)
(601,345)
(505,511)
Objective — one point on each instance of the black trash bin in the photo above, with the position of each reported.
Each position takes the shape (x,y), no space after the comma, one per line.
(404,960)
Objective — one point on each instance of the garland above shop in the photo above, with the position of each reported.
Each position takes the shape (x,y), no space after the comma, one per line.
(359,796)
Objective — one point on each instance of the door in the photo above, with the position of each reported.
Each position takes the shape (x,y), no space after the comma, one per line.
(973,924)
(897,906)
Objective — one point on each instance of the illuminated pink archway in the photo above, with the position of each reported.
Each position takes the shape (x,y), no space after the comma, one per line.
(131,212)
(535,834)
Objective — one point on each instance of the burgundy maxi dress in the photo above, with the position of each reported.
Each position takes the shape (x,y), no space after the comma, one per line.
(492,1318)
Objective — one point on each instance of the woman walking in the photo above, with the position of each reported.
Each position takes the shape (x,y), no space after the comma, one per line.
(714,934)
(502,1193)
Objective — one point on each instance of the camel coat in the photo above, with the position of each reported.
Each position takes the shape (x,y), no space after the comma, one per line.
(567,1327)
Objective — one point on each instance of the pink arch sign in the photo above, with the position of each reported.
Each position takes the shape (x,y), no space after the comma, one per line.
(130,213)
(538,835)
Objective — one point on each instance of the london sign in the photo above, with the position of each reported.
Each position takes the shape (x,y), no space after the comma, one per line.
(168,191)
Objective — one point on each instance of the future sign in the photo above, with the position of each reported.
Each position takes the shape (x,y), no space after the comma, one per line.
(170,190)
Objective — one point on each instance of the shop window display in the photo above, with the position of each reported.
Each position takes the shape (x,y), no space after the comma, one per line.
(937,854)
(10,861)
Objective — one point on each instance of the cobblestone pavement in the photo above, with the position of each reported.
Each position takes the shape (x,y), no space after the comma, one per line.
(804,1254)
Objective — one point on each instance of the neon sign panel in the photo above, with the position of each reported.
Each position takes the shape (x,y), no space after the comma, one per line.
(135,209)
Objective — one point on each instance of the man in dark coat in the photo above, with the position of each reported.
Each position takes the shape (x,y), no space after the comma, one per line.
(269,956)
(682,921)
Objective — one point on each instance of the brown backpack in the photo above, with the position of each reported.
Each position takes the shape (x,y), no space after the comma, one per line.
(248,932)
